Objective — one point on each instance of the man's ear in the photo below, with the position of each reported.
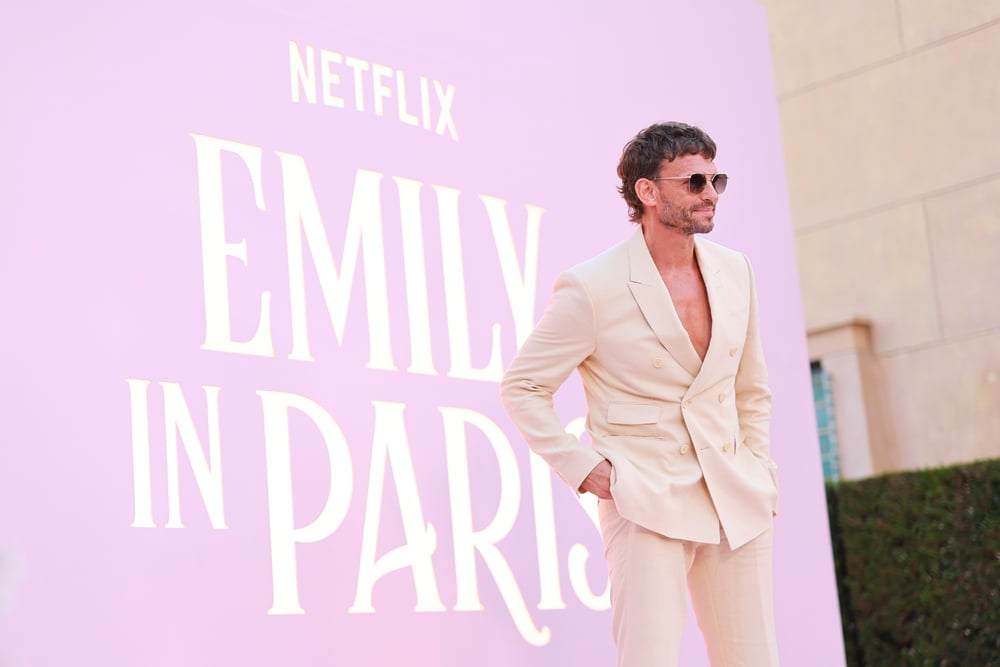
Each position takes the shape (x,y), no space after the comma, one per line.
(644,190)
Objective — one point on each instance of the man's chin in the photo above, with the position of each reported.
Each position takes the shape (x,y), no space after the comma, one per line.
(702,220)
(702,227)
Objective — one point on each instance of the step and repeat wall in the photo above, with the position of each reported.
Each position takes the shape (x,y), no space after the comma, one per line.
(263,266)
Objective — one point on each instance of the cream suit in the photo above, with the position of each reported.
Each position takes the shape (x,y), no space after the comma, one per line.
(687,439)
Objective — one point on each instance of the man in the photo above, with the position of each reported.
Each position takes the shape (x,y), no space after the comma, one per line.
(663,330)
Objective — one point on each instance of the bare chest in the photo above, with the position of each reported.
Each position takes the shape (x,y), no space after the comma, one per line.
(690,298)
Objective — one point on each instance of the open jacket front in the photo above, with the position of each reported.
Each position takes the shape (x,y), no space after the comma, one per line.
(687,439)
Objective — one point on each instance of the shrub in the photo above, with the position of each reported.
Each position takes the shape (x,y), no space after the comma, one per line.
(918,566)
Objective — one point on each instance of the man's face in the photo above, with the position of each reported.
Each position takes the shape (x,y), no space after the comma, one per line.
(678,207)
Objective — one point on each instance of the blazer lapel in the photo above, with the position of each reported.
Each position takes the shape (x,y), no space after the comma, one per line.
(654,301)
(718,303)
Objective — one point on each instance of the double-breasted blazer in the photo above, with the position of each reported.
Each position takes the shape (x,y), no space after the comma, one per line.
(688,439)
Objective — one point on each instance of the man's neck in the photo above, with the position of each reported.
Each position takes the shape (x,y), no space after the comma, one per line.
(670,249)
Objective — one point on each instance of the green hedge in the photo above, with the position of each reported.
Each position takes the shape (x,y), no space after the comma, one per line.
(918,566)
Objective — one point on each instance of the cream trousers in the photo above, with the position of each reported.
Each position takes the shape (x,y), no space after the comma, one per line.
(651,578)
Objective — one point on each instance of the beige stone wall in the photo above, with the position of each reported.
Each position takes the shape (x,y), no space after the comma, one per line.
(890,114)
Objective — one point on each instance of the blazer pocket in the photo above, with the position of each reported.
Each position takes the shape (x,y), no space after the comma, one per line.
(633,419)
(769,466)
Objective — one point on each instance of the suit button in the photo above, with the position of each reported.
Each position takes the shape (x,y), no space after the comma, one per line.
(733,351)
(658,363)
(684,449)
(725,448)
(722,397)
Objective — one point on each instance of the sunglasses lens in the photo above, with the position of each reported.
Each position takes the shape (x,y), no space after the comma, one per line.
(719,182)
(697,183)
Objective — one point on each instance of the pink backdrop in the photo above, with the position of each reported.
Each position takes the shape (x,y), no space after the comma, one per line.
(260,271)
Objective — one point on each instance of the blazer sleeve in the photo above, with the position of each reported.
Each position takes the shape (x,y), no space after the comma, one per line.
(753,397)
(561,340)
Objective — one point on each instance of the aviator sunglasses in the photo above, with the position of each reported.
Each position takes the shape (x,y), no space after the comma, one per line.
(697,182)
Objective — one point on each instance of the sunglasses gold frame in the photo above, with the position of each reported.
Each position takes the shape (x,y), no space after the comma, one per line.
(718,181)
